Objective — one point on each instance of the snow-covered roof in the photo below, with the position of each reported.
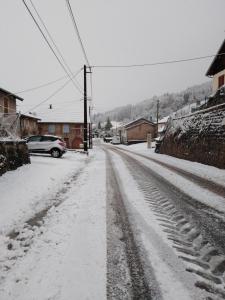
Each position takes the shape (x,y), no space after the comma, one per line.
(71,114)
(29,115)
(136,121)
(218,63)
(11,94)
(163,120)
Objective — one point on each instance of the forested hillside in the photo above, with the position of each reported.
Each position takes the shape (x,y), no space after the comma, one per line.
(169,103)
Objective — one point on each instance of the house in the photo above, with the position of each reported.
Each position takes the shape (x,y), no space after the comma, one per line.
(217,72)
(9,121)
(136,131)
(28,125)
(13,151)
(65,122)
(162,126)
(217,69)
(8,102)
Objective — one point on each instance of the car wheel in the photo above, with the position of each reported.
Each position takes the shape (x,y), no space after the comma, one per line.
(56,153)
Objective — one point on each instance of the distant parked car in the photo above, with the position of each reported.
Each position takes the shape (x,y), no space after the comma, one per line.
(51,144)
(115,140)
(107,139)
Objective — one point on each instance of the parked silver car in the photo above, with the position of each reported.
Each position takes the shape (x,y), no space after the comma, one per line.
(51,144)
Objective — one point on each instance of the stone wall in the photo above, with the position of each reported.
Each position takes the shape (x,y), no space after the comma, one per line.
(198,137)
(13,155)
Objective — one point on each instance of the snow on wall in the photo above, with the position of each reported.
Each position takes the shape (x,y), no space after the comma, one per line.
(198,137)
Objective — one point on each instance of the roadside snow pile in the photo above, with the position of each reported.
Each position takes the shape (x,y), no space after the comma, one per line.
(209,172)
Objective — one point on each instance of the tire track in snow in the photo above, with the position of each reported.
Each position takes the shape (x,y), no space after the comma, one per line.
(125,271)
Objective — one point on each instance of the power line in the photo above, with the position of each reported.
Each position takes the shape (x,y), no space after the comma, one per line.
(77,31)
(52,40)
(49,45)
(41,86)
(37,87)
(157,63)
(54,93)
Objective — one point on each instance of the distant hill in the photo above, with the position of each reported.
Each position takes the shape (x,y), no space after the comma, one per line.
(169,103)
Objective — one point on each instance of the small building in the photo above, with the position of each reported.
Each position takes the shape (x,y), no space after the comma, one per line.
(162,126)
(9,120)
(28,125)
(137,131)
(65,122)
(217,69)
(8,102)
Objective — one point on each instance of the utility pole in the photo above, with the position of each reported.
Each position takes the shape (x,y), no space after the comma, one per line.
(85,110)
(157,117)
(90,129)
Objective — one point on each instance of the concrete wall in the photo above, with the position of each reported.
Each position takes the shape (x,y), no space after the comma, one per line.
(198,137)
(13,155)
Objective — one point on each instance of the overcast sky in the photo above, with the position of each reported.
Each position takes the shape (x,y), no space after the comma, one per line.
(113,32)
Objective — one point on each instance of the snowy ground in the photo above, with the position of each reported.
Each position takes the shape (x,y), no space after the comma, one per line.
(31,187)
(65,258)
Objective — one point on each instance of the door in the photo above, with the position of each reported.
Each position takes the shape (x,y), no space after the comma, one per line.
(76,143)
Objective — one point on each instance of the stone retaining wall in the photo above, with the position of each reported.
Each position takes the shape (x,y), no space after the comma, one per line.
(198,137)
(13,155)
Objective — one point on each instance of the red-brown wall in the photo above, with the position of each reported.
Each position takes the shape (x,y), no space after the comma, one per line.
(73,139)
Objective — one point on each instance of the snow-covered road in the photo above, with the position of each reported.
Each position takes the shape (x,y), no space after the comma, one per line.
(113,225)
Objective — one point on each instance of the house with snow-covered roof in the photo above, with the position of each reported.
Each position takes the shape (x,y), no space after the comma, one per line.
(217,72)
(162,125)
(136,131)
(65,122)
(217,69)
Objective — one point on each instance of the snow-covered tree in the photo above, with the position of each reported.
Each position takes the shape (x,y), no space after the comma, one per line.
(108,124)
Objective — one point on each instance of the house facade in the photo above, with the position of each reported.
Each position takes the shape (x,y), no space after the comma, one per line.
(162,126)
(8,102)
(28,125)
(137,131)
(72,133)
(9,120)
(217,69)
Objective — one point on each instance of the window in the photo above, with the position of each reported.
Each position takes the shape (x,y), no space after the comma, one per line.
(48,138)
(51,128)
(6,106)
(66,128)
(34,139)
(220,81)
